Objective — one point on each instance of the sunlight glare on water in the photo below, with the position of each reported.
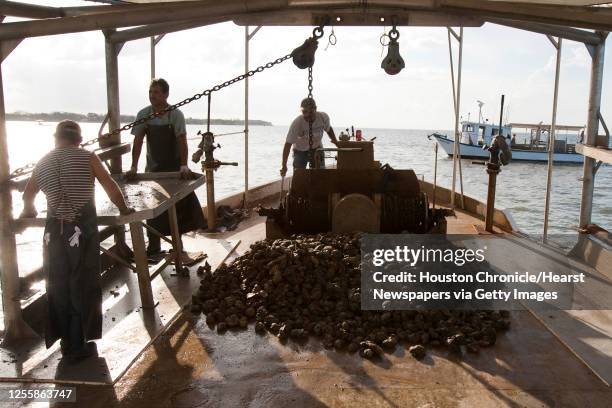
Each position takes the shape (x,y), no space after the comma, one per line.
(521,186)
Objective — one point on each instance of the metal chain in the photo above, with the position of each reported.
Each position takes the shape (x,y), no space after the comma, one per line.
(21,171)
(310,152)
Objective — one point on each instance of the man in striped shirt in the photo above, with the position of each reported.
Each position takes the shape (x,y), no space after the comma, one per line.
(71,243)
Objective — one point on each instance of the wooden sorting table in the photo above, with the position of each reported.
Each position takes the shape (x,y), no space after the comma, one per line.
(150,195)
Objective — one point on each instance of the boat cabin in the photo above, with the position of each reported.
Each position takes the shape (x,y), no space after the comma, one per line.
(475,133)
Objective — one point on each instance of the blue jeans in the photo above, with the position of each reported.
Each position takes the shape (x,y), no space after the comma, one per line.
(300,159)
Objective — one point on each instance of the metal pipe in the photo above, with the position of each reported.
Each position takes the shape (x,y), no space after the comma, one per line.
(246,118)
(588,177)
(450,56)
(551,140)
(435,180)
(493,168)
(208,114)
(457,147)
(133,16)
(211,210)
(14,325)
(152,57)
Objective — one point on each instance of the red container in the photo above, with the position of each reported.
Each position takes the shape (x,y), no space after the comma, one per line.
(358,135)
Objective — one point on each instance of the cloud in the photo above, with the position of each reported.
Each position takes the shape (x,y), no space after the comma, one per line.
(67,72)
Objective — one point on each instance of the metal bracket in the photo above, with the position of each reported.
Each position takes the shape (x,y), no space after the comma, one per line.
(457,36)
(251,35)
(591,49)
(157,39)
(117,46)
(104,122)
(597,166)
(603,124)
(7,46)
(554,42)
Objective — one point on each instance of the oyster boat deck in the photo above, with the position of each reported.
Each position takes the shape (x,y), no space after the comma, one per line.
(166,357)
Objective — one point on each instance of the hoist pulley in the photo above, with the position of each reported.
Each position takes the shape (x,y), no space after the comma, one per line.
(393,63)
(304,55)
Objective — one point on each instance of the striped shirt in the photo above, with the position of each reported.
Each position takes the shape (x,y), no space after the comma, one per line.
(65,176)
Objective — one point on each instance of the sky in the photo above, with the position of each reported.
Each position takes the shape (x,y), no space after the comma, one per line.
(67,73)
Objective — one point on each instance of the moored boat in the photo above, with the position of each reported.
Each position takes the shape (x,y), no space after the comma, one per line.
(476,136)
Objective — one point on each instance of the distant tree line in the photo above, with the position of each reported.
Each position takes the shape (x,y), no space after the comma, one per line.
(98,118)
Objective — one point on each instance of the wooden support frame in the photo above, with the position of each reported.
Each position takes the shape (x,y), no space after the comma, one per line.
(568,33)
(129,16)
(588,177)
(142,266)
(162,28)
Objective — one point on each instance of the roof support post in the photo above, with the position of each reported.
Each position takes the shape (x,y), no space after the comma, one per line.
(456,105)
(112,50)
(112,96)
(14,326)
(154,42)
(588,178)
(152,57)
(247,38)
(551,135)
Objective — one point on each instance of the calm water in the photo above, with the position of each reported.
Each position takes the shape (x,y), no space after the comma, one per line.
(521,186)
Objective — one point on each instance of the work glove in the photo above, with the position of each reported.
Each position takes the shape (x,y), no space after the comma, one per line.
(186,174)
(130,174)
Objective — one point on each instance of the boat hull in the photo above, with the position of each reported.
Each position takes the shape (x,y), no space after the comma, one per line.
(476,152)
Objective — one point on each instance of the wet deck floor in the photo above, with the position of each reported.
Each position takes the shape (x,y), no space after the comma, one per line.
(191,366)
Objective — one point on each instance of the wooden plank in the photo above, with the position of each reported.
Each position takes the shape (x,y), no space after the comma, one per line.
(176,239)
(597,153)
(150,196)
(356,17)
(142,266)
(127,330)
(545,126)
(110,152)
(585,333)
(596,18)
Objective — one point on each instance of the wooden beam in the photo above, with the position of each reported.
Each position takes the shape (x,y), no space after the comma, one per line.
(163,28)
(567,33)
(150,14)
(354,17)
(16,9)
(598,153)
(597,18)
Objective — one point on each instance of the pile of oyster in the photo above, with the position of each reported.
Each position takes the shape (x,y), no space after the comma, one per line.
(309,285)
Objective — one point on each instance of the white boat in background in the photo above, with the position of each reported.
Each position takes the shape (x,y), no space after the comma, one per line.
(529,146)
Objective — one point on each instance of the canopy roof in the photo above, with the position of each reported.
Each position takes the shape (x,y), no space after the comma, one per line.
(552,17)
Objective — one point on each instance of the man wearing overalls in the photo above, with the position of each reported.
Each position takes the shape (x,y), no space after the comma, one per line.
(71,242)
(298,136)
(166,152)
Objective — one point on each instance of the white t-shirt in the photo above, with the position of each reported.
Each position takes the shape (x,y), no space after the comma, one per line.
(298,131)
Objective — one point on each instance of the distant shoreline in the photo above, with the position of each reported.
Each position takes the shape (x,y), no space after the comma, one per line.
(98,118)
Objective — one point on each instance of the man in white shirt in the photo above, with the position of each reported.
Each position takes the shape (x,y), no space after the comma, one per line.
(298,137)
